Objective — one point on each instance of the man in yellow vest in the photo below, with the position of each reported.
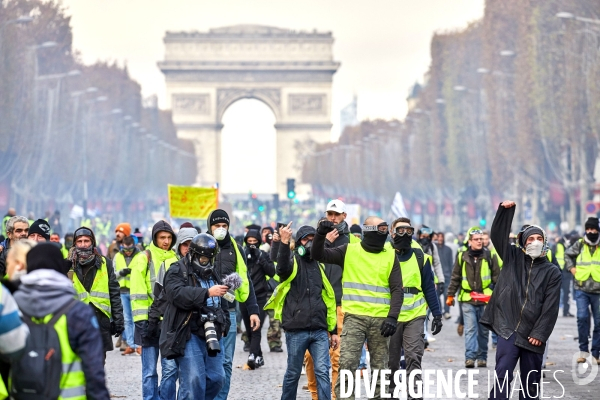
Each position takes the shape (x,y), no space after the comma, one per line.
(44,291)
(582,260)
(474,271)
(304,301)
(95,282)
(142,279)
(567,278)
(372,294)
(419,294)
(124,261)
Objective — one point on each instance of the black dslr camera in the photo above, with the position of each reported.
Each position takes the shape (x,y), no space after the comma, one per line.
(210,332)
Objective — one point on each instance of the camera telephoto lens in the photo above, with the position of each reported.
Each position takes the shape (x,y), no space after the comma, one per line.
(211,337)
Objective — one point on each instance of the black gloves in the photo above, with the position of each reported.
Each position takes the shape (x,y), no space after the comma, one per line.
(125,271)
(440,288)
(324,227)
(436,324)
(116,329)
(388,327)
(152,330)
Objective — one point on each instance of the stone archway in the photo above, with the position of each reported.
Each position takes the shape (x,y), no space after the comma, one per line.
(289,71)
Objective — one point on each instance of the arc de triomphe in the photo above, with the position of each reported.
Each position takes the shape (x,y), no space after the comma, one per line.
(289,71)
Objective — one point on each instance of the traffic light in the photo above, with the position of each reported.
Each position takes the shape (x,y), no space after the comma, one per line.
(291,188)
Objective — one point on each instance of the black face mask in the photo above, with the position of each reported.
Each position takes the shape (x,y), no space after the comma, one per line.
(425,241)
(402,243)
(592,237)
(373,242)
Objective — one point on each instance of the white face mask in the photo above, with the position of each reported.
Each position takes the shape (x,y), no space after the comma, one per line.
(534,249)
(220,233)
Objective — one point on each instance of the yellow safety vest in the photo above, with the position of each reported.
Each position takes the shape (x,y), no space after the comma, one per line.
(415,245)
(72,380)
(120,263)
(277,299)
(587,264)
(242,293)
(486,279)
(98,295)
(560,255)
(414,305)
(366,283)
(3,392)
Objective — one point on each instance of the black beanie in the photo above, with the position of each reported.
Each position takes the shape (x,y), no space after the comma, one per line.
(591,223)
(356,229)
(216,217)
(46,256)
(41,227)
(253,226)
(253,233)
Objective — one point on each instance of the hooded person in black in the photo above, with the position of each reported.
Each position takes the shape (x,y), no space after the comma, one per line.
(304,312)
(260,268)
(524,306)
(86,263)
(226,262)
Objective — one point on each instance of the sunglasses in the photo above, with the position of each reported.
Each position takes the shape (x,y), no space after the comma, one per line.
(475,232)
(382,228)
(405,230)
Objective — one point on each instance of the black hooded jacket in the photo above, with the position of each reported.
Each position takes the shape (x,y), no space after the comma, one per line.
(304,307)
(225,264)
(527,294)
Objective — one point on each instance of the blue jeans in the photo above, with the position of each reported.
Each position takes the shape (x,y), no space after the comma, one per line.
(363,359)
(168,381)
(128,333)
(317,343)
(201,376)
(228,346)
(476,335)
(585,301)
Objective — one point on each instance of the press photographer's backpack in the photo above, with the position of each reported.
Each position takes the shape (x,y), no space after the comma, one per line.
(37,375)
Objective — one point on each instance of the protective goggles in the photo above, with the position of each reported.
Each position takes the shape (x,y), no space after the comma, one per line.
(404,230)
(84,232)
(475,232)
(382,228)
(426,230)
(128,249)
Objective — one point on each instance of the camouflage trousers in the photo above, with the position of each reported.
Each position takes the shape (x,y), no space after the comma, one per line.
(357,329)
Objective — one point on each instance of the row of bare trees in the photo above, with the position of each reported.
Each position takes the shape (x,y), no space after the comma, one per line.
(510,107)
(72,133)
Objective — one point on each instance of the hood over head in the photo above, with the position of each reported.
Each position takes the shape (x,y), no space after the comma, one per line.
(162,226)
(183,236)
(43,292)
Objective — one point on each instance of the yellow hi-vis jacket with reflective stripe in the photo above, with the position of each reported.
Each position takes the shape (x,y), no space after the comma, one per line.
(277,299)
(241,293)
(143,276)
(366,281)
(588,265)
(414,305)
(72,380)
(560,255)
(120,263)
(486,278)
(99,295)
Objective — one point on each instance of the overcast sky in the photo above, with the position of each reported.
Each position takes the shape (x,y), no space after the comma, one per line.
(383,45)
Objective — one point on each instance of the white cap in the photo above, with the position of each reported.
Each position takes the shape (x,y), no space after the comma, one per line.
(336,205)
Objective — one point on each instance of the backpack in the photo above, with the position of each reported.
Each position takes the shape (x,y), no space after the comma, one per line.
(37,375)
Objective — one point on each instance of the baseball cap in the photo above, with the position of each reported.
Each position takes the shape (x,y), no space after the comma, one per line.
(337,206)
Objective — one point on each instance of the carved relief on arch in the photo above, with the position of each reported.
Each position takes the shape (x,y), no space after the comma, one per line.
(270,96)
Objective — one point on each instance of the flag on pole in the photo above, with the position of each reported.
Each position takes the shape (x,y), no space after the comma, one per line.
(192,202)
(398,208)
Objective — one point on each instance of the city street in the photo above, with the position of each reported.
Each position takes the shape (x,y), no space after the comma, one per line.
(447,352)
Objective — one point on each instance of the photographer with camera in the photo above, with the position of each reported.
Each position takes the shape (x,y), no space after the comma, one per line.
(195,319)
